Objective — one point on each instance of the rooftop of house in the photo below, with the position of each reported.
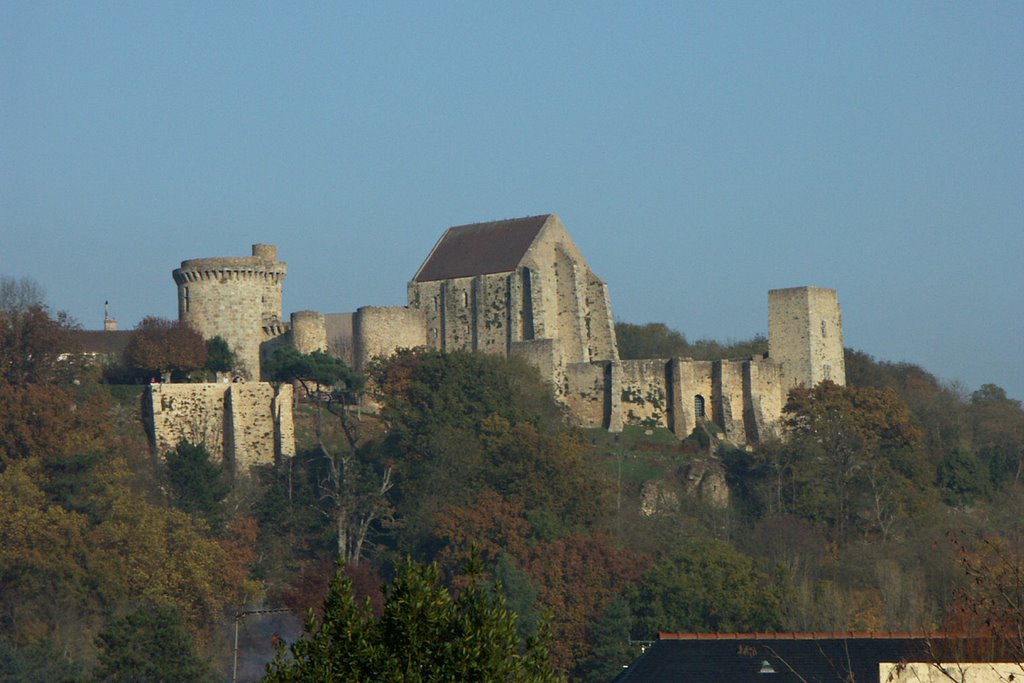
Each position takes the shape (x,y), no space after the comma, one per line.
(100,342)
(794,657)
(481,248)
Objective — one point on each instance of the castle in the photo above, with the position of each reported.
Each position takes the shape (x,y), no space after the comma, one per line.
(521,287)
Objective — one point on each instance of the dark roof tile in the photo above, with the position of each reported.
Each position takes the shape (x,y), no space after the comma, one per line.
(481,248)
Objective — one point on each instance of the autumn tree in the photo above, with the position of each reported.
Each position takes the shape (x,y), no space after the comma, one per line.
(165,347)
(850,454)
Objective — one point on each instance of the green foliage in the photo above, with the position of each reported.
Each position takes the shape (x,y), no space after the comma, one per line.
(611,649)
(465,423)
(287,364)
(150,645)
(219,356)
(705,586)
(657,340)
(425,634)
(198,485)
(963,477)
(41,661)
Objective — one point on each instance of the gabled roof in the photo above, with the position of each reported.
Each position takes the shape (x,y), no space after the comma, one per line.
(99,341)
(481,248)
(783,657)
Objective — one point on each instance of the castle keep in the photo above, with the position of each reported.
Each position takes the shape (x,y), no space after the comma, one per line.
(521,286)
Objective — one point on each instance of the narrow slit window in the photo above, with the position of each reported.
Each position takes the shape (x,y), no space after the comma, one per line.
(824,329)
(188,301)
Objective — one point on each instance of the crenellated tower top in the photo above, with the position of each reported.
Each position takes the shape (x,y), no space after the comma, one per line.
(233,297)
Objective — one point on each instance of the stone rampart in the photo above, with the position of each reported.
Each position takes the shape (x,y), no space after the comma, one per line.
(242,423)
(644,392)
(379,331)
(309,331)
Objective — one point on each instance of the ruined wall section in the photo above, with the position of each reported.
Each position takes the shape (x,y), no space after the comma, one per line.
(233,298)
(242,423)
(805,335)
(251,430)
(763,399)
(587,392)
(644,392)
(379,331)
(728,398)
(186,411)
(695,394)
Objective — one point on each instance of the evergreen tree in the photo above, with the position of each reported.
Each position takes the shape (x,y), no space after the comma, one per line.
(197,483)
(151,645)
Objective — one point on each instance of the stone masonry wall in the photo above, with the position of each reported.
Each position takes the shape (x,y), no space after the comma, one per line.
(242,423)
(379,331)
(805,335)
(233,298)
(644,392)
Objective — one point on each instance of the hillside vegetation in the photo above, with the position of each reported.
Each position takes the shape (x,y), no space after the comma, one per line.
(889,494)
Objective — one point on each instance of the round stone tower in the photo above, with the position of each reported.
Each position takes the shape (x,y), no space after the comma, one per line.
(309,331)
(233,297)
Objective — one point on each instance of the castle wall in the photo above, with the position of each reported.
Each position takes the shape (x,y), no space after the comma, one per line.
(586,393)
(233,298)
(805,335)
(242,423)
(728,398)
(309,331)
(763,399)
(644,392)
(696,385)
(379,331)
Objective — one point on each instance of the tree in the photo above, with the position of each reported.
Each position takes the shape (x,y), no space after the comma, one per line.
(31,342)
(852,454)
(164,346)
(354,486)
(150,645)
(19,295)
(705,586)
(991,603)
(219,356)
(425,634)
(611,649)
(198,485)
(998,433)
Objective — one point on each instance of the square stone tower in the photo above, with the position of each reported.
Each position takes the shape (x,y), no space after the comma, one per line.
(805,335)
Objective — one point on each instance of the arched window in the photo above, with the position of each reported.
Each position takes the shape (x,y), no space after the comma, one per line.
(698,405)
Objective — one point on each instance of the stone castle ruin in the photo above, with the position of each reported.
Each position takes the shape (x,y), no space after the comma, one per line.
(521,286)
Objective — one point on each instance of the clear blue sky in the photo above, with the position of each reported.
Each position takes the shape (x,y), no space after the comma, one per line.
(699,153)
